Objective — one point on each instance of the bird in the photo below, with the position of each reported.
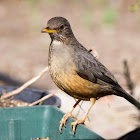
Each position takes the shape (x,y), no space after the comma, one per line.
(77,72)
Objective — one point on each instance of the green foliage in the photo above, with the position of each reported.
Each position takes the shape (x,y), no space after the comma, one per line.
(31,2)
(100,2)
(135,7)
(34,15)
(51,2)
(40,103)
(138,19)
(87,18)
(109,16)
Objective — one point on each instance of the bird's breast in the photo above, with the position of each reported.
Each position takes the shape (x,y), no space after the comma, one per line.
(60,57)
(60,61)
(63,72)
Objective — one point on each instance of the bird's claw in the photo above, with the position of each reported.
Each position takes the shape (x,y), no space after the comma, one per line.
(64,119)
(74,124)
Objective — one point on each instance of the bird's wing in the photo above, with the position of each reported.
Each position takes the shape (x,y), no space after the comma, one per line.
(89,68)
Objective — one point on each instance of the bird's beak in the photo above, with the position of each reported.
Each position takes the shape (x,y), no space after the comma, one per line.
(45,30)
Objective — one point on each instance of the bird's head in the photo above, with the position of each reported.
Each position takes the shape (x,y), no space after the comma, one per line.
(59,29)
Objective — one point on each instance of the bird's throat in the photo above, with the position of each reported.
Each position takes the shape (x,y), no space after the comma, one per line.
(56,42)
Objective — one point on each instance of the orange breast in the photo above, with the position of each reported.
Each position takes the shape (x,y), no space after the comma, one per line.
(79,87)
(75,86)
(66,78)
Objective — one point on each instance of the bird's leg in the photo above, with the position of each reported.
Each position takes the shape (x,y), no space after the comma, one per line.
(69,114)
(74,124)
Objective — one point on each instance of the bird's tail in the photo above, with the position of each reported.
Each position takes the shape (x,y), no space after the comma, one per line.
(128,97)
(132,100)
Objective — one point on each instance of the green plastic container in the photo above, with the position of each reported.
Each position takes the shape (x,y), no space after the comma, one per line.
(24,123)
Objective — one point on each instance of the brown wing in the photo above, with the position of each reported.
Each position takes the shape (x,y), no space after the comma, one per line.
(89,68)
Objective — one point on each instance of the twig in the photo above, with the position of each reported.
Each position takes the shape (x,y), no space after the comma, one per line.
(45,97)
(80,107)
(130,84)
(14,92)
(95,54)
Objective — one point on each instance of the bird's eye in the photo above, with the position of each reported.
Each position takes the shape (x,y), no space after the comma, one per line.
(62,27)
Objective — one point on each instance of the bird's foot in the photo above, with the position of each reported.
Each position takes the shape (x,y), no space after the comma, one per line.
(74,124)
(64,119)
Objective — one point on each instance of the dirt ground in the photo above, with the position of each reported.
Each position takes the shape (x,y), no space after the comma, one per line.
(108,27)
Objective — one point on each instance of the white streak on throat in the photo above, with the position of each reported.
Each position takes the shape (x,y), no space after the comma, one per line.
(55,42)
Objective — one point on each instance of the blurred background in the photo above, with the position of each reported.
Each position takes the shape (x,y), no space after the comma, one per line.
(110,27)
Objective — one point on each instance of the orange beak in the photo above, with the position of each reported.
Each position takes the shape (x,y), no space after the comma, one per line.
(45,30)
